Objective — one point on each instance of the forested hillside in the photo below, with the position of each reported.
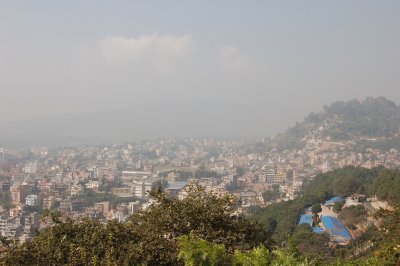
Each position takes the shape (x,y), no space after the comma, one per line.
(281,219)
(341,121)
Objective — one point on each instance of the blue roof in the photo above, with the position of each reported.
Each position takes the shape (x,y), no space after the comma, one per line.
(336,228)
(333,200)
(318,230)
(306,219)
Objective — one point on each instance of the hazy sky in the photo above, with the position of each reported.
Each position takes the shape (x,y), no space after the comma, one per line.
(70,56)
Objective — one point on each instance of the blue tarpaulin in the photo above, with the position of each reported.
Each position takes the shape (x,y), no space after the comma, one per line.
(333,200)
(318,230)
(336,228)
(306,219)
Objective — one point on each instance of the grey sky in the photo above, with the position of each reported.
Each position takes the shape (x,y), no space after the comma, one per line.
(60,57)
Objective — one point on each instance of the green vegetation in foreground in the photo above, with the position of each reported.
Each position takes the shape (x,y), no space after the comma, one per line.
(201,230)
(147,238)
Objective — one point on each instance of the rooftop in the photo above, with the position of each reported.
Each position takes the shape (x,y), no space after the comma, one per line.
(176,185)
(337,230)
(306,219)
(334,200)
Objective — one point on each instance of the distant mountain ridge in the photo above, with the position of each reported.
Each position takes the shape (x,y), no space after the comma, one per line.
(374,118)
(145,121)
(377,119)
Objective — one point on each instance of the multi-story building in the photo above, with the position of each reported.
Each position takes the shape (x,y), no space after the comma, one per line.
(279,176)
(18,194)
(48,202)
(3,155)
(31,200)
(30,167)
(103,207)
(262,177)
(142,188)
(271,176)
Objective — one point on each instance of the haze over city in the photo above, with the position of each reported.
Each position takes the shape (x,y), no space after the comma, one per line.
(200,132)
(278,61)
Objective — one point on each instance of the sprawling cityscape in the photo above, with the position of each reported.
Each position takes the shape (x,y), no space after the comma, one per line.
(112,182)
(200,133)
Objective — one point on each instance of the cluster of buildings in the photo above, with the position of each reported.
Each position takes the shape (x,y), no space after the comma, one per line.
(112,182)
(329,222)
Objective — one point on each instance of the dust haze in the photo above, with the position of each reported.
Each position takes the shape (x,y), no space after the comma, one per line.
(74,72)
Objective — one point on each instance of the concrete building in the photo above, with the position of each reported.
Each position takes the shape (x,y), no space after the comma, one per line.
(30,167)
(279,176)
(142,188)
(3,155)
(31,200)
(271,176)
(48,202)
(103,207)
(18,194)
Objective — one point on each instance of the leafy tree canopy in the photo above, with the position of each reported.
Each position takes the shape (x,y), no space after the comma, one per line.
(149,237)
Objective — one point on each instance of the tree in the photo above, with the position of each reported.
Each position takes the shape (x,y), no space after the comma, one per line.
(84,242)
(202,214)
(353,215)
(337,206)
(239,171)
(150,237)
(270,195)
(310,243)
(195,251)
(316,208)
(198,252)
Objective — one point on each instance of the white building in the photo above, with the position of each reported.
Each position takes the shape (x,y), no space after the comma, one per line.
(93,184)
(30,167)
(31,200)
(3,155)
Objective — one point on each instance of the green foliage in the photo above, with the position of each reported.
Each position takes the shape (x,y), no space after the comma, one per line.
(194,251)
(259,256)
(316,208)
(270,195)
(385,183)
(282,218)
(386,246)
(84,242)
(388,252)
(5,199)
(386,241)
(311,244)
(239,171)
(149,237)
(284,258)
(291,139)
(206,216)
(337,206)
(374,117)
(203,171)
(353,215)
(201,230)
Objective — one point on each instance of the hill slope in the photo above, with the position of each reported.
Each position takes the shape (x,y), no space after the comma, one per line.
(374,120)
